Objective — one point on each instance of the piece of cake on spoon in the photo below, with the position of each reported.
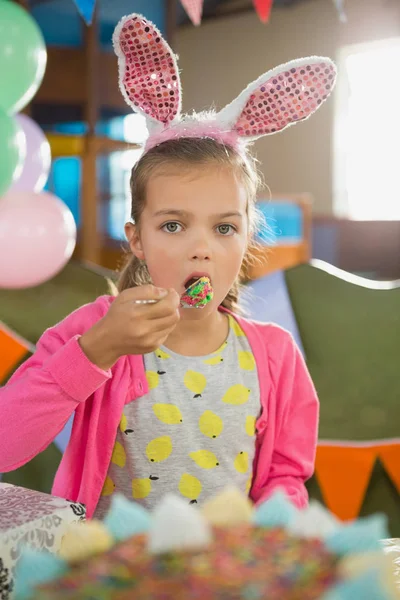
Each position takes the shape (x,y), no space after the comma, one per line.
(198,293)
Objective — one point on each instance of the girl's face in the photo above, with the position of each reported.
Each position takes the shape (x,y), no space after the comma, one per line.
(193,223)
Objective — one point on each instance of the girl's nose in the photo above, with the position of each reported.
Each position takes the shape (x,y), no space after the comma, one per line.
(201,250)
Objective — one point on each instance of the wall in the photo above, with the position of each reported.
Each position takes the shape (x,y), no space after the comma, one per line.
(221,57)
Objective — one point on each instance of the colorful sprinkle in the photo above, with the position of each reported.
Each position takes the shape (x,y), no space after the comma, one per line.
(243,563)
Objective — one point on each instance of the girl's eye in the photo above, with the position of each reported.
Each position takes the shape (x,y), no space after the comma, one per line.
(171,227)
(226,229)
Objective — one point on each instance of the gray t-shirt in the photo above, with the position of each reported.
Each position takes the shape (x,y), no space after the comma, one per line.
(193,434)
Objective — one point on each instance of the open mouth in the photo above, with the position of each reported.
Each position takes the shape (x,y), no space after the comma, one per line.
(193,280)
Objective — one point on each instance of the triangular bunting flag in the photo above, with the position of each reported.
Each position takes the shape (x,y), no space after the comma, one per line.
(343,474)
(86,9)
(390,458)
(12,351)
(263,8)
(194,10)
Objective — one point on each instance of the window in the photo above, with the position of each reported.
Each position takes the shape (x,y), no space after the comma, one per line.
(367,132)
(120,164)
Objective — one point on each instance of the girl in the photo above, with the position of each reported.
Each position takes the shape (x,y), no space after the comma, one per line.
(165,398)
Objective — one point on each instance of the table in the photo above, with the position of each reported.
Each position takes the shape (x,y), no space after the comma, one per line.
(392,548)
(40,520)
(32,518)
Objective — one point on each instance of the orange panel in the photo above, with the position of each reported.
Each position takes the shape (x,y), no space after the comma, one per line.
(12,351)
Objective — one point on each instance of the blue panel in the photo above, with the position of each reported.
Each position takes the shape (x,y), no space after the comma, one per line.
(283,222)
(60,22)
(65,182)
(154,10)
(113,128)
(112,12)
(65,174)
(267,300)
(118,215)
(62,25)
(325,243)
(77,128)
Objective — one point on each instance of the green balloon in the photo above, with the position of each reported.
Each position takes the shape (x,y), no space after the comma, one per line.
(22,57)
(12,151)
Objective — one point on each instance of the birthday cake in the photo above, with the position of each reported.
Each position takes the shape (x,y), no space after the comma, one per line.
(227,550)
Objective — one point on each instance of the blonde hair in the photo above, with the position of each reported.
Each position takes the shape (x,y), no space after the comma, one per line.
(186,153)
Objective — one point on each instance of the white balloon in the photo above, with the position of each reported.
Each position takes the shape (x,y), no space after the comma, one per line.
(37,238)
(37,163)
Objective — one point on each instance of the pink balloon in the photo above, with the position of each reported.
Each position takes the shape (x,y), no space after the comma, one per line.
(36,167)
(37,238)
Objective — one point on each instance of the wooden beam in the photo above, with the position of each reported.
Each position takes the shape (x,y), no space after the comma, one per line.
(76,145)
(65,79)
(171,21)
(24,4)
(105,145)
(62,145)
(109,92)
(90,234)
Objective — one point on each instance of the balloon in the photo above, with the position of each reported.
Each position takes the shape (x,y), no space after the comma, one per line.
(22,57)
(12,150)
(36,167)
(37,238)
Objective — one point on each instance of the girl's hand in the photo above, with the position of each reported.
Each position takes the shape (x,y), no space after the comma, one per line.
(130,328)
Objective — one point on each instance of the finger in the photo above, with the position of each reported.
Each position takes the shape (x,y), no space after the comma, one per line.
(165,307)
(152,332)
(167,324)
(151,313)
(143,292)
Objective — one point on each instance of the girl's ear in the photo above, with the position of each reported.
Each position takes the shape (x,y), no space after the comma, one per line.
(280,98)
(148,73)
(133,237)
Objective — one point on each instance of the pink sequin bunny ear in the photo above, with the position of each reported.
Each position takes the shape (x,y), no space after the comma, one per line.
(279,98)
(148,74)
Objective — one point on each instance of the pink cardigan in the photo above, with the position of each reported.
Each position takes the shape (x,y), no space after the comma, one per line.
(59,380)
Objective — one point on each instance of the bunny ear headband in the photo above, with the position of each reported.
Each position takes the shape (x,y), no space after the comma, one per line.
(150,83)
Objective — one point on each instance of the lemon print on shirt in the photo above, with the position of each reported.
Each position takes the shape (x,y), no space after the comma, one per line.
(246,361)
(250,425)
(236,394)
(248,484)
(152,379)
(118,456)
(167,413)
(235,327)
(108,487)
(241,462)
(190,487)
(195,382)
(161,354)
(124,426)
(204,459)
(159,449)
(222,347)
(141,488)
(210,424)
(214,360)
